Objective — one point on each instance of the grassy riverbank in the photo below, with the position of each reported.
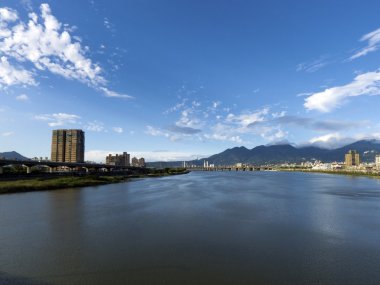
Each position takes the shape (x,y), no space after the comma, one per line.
(39,184)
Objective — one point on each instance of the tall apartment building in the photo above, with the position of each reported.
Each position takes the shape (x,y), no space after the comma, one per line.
(67,146)
(119,159)
(352,158)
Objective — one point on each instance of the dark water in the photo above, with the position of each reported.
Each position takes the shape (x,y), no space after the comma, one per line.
(201,228)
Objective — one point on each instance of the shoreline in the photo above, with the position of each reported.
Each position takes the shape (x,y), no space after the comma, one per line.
(333,172)
(60,183)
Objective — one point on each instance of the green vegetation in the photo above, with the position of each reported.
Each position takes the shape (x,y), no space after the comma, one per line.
(56,183)
(46,183)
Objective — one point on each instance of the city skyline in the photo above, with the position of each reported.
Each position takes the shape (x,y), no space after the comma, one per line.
(177,80)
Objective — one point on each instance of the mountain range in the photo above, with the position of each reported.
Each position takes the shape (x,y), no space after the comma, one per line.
(274,154)
(270,154)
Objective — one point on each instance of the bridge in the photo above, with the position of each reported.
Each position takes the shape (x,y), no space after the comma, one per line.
(231,168)
(52,164)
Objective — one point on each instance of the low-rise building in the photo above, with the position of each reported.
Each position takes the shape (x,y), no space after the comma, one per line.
(138,162)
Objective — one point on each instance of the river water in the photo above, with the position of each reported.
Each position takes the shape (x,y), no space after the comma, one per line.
(200,228)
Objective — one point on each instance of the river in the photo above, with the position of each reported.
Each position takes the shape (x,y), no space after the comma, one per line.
(200,228)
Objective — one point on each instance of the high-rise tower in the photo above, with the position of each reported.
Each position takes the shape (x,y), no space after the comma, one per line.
(352,158)
(67,146)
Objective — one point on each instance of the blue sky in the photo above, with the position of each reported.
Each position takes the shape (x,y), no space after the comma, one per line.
(177,80)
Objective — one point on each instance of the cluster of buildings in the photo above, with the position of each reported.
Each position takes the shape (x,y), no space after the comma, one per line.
(124,160)
(69,146)
(352,162)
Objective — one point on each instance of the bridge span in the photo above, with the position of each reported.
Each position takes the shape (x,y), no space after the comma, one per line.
(54,165)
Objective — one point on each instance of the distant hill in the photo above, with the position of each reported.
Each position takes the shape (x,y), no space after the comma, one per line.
(284,153)
(12,155)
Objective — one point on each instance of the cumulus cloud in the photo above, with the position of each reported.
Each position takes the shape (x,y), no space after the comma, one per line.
(10,75)
(331,98)
(373,44)
(58,119)
(48,45)
(22,97)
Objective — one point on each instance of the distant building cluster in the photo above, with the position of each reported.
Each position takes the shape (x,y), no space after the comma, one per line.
(138,162)
(119,159)
(67,146)
(124,160)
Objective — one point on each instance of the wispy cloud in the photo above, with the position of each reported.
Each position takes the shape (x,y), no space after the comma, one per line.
(183,130)
(331,98)
(48,45)
(7,134)
(312,66)
(22,97)
(95,126)
(113,94)
(373,44)
(118,130)
(58,119)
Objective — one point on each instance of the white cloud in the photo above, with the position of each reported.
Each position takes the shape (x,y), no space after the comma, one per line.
(22,97)
(7,134)
(7,15)
(58,119)
(94,126)
(113,94)
(117,130)
(47,44)
(155,132)
(304,94)
(313,66)
(247,119)
(373,44)
(331,98)
(10,75)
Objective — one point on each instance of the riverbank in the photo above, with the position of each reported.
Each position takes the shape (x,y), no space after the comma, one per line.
(45,184)
(333,172)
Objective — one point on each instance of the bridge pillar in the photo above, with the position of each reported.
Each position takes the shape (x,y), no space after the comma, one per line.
(50,169)
(28,169)
(1,170)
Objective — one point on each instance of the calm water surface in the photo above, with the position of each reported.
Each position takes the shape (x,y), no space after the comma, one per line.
(201,228)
